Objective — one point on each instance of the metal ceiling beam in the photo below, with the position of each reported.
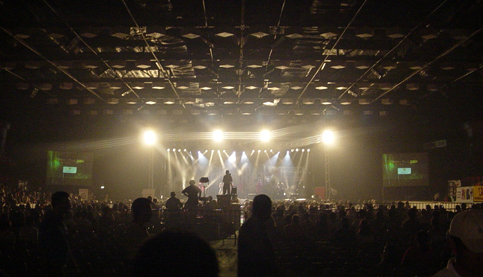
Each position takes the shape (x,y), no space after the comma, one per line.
(89,47)
(53,64)
(428,64)
(158,63)
(392,50)
(322,65)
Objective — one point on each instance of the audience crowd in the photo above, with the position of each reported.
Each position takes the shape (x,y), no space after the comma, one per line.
(309,238)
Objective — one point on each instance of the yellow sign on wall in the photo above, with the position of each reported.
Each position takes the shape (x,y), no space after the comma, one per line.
(478,193)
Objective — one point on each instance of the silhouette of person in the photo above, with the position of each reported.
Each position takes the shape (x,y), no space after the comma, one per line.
(256,256)
(53,235)
(176,254)
(227,182)
(466,241)
(136,233)
(193,193)
(173,203)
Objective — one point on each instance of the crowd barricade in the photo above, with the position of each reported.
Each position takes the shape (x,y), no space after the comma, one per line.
(420,205)
(210,224)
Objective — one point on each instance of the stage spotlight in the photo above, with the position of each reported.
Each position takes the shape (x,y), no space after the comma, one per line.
(297,150)
(308,150)
(328,137)
(303,150)
(174,149)
(149,137)
(218,135)
(265,135)
(168,149)
(102,187)
(259,151)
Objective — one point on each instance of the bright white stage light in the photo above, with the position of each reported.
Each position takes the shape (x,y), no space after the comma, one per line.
(218,135)
(265,135)
(328,137)
(149,137)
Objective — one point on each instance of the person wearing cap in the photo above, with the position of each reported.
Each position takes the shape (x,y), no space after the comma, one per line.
(465,237)
(193,193)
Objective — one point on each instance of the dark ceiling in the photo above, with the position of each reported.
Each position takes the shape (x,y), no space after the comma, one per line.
(240,63)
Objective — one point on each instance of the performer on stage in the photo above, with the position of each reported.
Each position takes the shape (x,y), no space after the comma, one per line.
(193,193)
(227,182)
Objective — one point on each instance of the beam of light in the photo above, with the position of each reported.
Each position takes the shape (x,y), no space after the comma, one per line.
(202,160)
(222,162)
(328,137)
(257,159)
(232,157)
(218,135)
(265,135)
(149,137)
(184,158)
(287,155)
(244,157)
(273,160)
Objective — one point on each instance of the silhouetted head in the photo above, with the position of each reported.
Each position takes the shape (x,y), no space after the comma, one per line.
(176,254)
(227,172)
(60,202)
(192,182)
(141,210)
(173,194)
(422,237)
(262,207)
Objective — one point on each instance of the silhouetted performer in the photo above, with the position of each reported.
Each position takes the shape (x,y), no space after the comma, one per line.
(176,254)
(227,181)
(193,193)
(256,256)
(53,236)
